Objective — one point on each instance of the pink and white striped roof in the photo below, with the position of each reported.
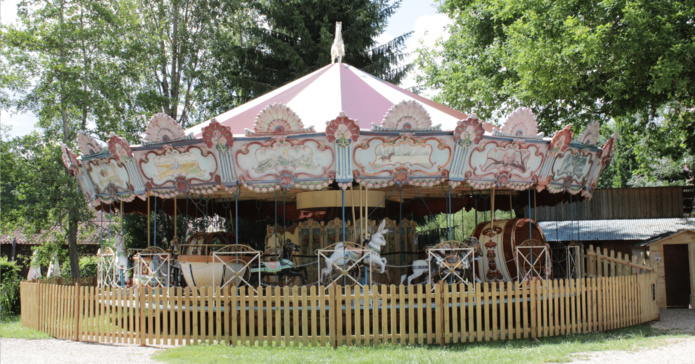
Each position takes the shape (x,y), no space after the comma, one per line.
(320,96)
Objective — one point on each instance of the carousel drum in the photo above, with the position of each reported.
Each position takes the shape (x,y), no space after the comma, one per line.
(499,243)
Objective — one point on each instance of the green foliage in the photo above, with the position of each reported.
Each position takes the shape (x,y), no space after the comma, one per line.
(626,62)
(568,60)
(88,266)
(11,328)
(9,287)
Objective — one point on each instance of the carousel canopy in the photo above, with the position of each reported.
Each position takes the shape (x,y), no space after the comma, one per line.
(337,128)
(319,97)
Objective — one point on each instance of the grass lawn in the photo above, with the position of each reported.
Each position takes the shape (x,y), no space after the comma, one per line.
(555,349)
(11,327)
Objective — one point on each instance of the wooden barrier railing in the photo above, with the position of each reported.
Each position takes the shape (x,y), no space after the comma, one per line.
(610,264)
(440,314)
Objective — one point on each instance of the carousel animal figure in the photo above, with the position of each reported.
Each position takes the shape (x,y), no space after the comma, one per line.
(121,266)
(415,271)
(283,269)
(338,47)
(450,262)
(341,254)
(34,268)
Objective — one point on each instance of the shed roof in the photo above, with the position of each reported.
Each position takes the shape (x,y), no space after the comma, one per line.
(602,230)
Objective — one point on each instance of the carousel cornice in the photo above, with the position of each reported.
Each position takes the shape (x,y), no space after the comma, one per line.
(280,153)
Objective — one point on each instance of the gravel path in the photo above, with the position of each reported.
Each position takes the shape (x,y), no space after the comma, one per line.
(54,351)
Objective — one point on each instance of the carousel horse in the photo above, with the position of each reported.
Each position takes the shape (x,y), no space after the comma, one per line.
(121,258)
(284,268)
(34,268)
(447,262)
(341,254)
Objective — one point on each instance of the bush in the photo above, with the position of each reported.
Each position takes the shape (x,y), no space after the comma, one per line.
(9,287)
(88,266)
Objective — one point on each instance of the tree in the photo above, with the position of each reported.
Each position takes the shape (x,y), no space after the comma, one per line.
(293,38)
(573,62)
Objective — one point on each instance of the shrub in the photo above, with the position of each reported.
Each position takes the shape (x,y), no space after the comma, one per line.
(9,287)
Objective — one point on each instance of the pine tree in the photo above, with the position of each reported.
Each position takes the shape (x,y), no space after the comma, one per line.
(293,38)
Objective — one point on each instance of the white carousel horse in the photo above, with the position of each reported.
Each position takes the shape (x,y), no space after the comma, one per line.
(419,267)
(34,268)
(54,267)
(446,262)
(338,47)
(121,257)
(340,254)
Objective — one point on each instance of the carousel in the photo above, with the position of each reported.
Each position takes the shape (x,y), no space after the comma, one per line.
(340,166)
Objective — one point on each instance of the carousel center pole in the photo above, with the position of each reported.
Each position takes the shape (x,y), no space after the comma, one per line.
(352,204)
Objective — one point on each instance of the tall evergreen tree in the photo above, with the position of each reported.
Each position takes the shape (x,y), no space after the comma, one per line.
(294,38)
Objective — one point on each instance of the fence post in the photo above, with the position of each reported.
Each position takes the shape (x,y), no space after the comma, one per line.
(333,315)
(141,311)
(438,307)
(78,311)
(534,302)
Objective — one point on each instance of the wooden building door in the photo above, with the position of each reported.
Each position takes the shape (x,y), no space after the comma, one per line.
(677,272)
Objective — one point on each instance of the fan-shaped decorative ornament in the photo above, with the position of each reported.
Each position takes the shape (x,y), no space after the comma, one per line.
(89,145)
(342,130)
(407,115)
(521,124)
(590,134)
(277,119)
(119,148)
(561,140)
(469,131)
(217,135)
(163,129)
(69,158)
(607,149)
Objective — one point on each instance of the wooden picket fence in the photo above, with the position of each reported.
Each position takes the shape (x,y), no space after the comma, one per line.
(611,264)
(423,314)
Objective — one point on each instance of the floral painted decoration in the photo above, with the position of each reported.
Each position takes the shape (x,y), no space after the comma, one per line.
(119,148)
(218,136)
(342,130)
(469,131)
(561,140)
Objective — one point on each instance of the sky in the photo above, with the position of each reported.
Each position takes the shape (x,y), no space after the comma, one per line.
(419,16)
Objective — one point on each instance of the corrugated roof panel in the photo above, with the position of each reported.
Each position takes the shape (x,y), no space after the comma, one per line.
(597,230)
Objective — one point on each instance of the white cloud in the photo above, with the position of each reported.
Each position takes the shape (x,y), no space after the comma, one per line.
(427,30)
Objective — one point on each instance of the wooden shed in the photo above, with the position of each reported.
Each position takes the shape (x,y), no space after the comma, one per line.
(673,257)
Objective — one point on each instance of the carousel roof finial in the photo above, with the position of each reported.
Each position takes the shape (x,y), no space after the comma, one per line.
(338,47)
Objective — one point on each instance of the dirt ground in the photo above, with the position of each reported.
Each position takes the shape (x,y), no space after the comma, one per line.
(54,351)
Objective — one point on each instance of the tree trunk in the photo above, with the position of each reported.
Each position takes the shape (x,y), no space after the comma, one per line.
(73,223)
